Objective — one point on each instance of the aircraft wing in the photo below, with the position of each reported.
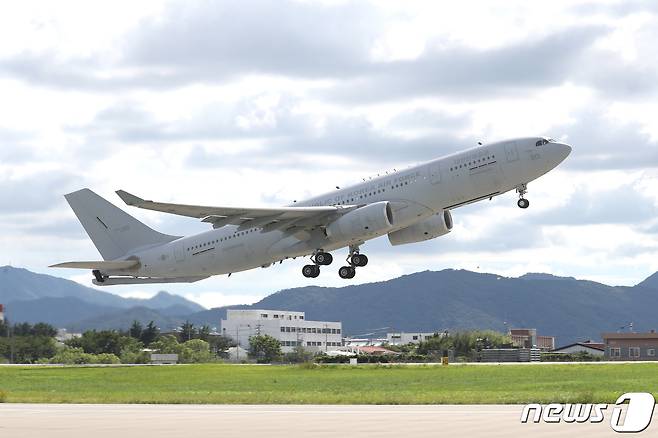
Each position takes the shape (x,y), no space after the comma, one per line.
(268,218)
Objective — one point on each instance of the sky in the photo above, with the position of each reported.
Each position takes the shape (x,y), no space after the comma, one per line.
(258,103)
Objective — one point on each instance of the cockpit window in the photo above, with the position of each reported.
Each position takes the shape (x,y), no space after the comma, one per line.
(543,141)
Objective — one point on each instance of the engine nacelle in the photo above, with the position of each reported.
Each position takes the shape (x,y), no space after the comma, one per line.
(367,221)
(434,226)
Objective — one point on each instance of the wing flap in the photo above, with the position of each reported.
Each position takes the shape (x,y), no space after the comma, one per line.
(105,265)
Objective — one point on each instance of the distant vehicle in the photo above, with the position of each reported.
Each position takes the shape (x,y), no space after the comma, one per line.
(410,205)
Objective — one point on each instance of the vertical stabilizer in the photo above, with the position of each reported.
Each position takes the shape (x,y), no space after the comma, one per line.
(114,232)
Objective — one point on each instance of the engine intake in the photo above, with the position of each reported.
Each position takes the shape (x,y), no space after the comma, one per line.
(367,221)
(434,226)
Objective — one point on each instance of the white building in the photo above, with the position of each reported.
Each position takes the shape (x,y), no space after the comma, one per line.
(2,313)
(289,328)
(404,338)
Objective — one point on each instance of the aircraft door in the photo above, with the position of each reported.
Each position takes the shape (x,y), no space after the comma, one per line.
(511,152)
(435,173)
(179,254)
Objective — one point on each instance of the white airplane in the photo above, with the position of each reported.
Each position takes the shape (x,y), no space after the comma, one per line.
(409,206)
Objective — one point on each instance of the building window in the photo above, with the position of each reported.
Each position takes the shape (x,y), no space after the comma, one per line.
(651,352)
(634,352)
(264,315)
(301,317)
(615,352)
(276,316)
(283,329)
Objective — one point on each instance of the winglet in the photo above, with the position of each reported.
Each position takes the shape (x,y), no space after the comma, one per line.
(129,199)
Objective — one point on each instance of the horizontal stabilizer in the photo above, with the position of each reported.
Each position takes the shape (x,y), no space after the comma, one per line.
(102,265)
(131,280)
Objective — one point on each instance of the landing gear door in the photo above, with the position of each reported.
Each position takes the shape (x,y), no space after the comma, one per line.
(511,152)
(435,173)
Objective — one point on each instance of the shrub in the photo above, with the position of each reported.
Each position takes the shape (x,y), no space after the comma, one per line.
(128,356)
(199,351)
(72,356)
(106,358)
(3,396)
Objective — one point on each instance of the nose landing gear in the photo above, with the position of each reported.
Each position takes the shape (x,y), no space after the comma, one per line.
(522,202)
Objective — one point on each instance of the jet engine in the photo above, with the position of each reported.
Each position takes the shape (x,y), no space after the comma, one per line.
(369,220)
(434,226)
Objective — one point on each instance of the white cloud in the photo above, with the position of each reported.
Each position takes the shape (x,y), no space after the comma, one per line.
(100,96)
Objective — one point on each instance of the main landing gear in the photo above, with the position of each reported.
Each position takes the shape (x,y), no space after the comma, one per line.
(354,259)
(522,190)
(320,258)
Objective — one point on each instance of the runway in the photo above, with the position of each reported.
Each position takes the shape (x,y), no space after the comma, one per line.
(164,421)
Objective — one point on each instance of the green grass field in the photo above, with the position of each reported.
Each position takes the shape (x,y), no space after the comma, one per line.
(328,384)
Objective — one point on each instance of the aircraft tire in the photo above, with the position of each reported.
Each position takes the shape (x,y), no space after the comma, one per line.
(323,258)
(359,260)
(345,272)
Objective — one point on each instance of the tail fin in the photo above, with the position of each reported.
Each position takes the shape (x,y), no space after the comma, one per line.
(114,232)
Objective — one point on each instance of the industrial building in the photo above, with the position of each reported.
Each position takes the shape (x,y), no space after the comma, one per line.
(404,338)
(593,348)
(630,346)
(291,329)
(528,338)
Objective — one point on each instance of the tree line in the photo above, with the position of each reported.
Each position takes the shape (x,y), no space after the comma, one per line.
(27,343)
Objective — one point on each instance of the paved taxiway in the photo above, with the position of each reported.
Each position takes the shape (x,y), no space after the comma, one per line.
(164,421)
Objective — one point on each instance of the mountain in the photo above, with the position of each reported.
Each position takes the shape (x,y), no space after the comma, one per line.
(124,318)
(564,307)
(60,312)
(170,303)
(17,284)
(33,297)
(569,309)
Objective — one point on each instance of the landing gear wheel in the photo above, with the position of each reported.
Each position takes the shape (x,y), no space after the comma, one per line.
(347,272)
(311,271)
(359,260)
(523,203)
(323,258)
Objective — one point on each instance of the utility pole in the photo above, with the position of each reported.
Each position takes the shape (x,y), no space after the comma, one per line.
(10,338)
(237,339)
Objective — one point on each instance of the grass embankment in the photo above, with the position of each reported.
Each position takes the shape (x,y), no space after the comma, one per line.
(329,384)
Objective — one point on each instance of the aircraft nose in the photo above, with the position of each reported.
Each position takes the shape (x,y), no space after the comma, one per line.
(560,152)
(564,150)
